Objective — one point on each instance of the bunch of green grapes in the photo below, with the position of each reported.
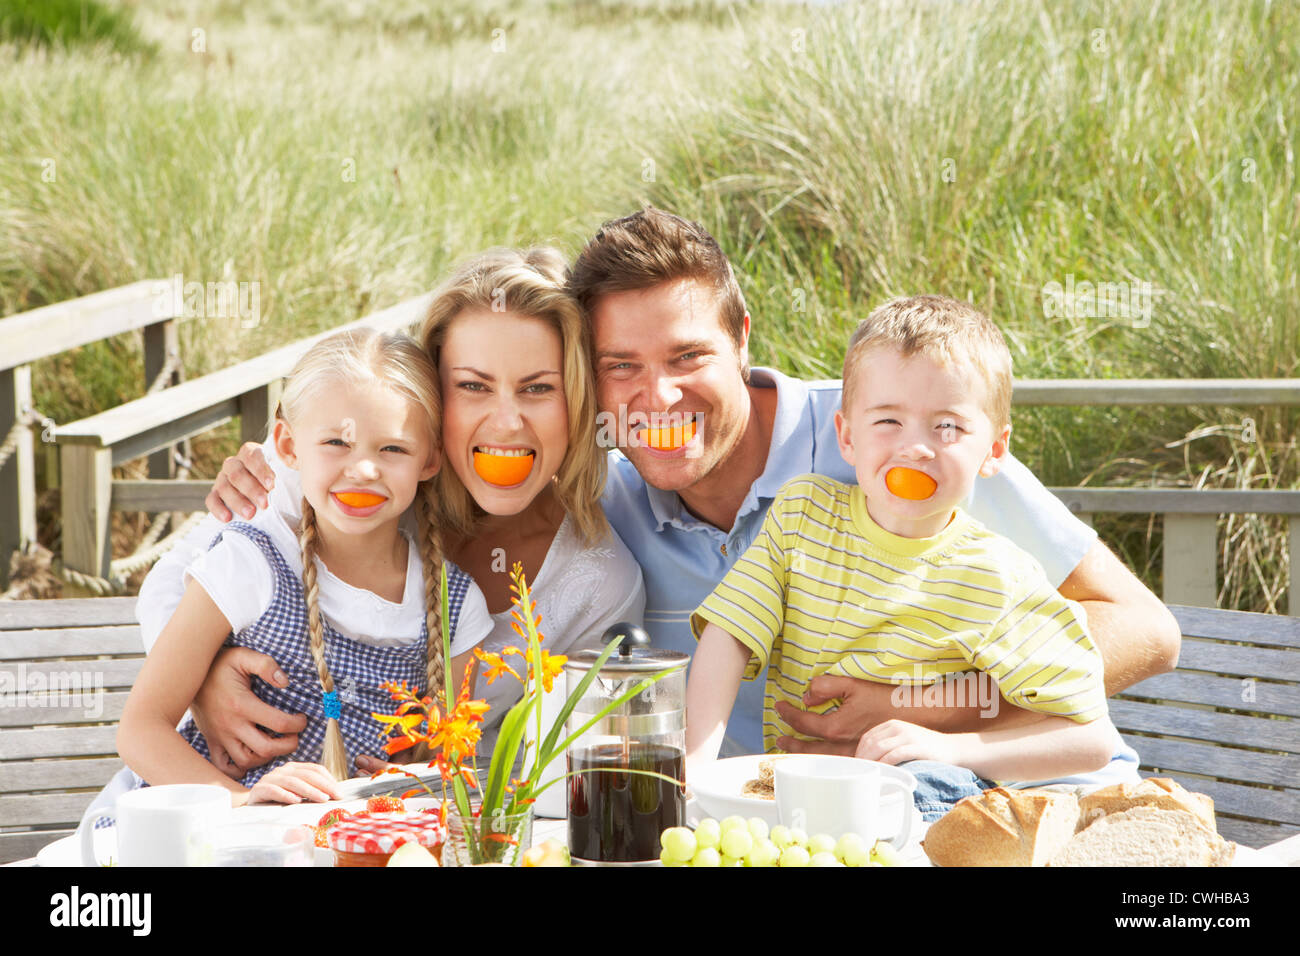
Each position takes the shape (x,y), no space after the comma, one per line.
(739,842)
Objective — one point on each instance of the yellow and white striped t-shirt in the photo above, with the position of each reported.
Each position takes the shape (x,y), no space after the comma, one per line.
(825,590)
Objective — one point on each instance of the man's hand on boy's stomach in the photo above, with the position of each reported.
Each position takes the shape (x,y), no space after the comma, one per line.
(835,729)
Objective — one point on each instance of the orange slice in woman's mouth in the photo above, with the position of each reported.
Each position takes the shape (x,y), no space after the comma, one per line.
(910,484)
(360,499)
(503,469)
(669,439)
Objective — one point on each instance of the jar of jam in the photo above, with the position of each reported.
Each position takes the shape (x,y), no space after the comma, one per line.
(371,839)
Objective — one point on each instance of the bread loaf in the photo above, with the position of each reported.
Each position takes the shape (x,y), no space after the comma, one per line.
(1146,836)
(1003,828)
(1159,792)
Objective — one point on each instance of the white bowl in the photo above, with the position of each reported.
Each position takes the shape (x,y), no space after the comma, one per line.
(717,792)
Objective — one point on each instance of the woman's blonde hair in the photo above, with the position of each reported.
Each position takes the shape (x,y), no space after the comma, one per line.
(529,283)
(363,357)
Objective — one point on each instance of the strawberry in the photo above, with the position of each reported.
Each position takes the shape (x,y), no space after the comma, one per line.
(385,805)
(332,817)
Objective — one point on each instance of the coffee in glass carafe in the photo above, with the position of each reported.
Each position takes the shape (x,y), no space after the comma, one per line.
(616,813)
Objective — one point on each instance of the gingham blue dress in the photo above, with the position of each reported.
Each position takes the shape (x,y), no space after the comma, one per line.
(358,669)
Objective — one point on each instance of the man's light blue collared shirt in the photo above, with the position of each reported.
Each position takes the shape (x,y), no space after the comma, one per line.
(684,558)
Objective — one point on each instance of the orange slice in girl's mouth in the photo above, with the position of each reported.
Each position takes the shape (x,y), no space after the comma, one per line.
(503,470)
(360,499)
(670,439)
(910,484)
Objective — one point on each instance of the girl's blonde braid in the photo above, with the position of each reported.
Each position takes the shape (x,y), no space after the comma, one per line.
(426,517)
(333,755)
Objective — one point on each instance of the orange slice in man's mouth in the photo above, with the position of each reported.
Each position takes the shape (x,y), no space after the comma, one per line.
(910,484)
(503,470)
(360,499)
(670,439)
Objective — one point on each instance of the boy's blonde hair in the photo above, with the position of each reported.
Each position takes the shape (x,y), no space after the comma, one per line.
(945,330)
(359,358)
(529,283)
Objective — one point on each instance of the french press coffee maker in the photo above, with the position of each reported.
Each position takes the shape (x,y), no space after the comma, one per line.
(616,813)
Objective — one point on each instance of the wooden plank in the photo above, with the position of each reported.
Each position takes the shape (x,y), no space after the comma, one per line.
(155,496)
(27,678)
(153,414)
(1293,581)
(1253,834)
(1178,501)
(56,328)
(45,808)
(58,742)
(23,615)
(90,708)
(1235,799)
(1260,697)
(1239,660)
(1274,629)
(256,411)
(87,494)
(37,775)
(172,430)
(1157,391)
(161,344)
(1191,560)
(1206,725)
(25,845)
(1228,763)
(18,474)
(116,639)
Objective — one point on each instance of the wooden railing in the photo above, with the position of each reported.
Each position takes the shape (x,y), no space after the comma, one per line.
(90,448)
(40,333)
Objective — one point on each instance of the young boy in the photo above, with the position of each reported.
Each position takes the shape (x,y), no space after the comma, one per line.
(891,581)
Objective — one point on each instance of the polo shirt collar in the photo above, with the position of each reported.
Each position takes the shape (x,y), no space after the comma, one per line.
(790,453)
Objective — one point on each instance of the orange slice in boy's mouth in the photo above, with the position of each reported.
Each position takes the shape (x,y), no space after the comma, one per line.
(670,439)
(501,469)
(360,499)
(910,484)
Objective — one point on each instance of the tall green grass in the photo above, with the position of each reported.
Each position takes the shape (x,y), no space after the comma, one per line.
(984,151)
(344,154)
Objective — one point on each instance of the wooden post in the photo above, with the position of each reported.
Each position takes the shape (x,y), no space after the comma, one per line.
(1085,517)
(87,486)
(1191,560)
(160,343)
(1293,587)
(256,409)
(18,474)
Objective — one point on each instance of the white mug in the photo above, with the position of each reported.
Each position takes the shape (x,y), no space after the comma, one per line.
(154,824)
(837,795)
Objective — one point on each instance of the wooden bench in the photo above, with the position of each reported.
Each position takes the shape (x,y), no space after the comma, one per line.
(1226,721)
(1201,724)
(65,670)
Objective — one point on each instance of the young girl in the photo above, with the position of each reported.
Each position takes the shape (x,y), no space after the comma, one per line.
(343,601)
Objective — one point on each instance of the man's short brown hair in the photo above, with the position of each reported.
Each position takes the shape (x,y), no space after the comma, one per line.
(649,248)
(944,330)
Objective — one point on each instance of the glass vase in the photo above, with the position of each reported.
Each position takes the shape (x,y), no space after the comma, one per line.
(498,838)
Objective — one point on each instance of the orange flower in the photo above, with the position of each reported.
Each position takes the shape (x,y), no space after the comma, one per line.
(552,667)
(497,666)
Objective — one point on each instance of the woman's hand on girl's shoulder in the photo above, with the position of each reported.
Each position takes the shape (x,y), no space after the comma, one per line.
(242,486)
(295,783)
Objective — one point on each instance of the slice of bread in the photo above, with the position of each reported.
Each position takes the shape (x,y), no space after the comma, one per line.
(1146,836)
(1003,828)
(1159,792)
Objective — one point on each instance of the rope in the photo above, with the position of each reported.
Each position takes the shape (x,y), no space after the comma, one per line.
(169,368)
(123,567)
(27,418)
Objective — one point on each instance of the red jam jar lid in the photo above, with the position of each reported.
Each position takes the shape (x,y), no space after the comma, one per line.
(385,832)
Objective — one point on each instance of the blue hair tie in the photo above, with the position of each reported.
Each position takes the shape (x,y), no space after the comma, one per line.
(333,706)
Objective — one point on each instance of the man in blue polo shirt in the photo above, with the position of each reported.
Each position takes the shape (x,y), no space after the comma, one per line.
(670,333)
(670,336)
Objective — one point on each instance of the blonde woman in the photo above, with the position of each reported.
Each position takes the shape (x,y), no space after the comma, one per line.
(521,482)
(341,597)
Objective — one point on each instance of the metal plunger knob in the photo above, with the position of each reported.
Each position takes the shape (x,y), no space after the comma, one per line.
(632,635)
